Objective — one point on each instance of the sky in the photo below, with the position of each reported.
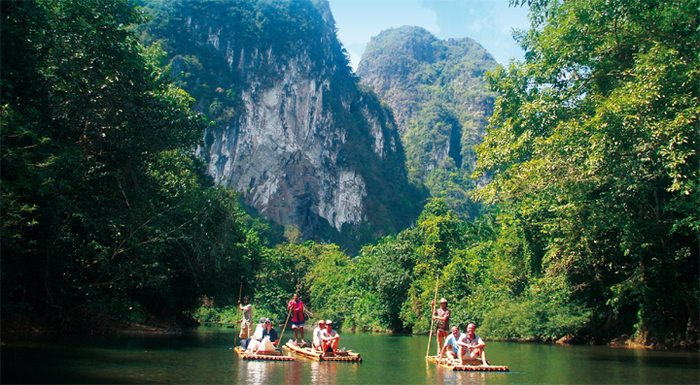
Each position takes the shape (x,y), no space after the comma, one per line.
(489,22)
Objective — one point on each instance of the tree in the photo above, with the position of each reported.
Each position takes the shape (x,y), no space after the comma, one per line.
(593,148)
(109,214)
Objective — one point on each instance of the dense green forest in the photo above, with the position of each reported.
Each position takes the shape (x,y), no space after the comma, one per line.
(107,215)
(590,227)
(441,103)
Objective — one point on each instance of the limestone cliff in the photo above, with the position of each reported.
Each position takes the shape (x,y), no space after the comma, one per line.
(291,130)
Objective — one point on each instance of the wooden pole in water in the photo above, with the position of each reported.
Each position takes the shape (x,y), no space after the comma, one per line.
(240,290)
(432,320)
(285,325)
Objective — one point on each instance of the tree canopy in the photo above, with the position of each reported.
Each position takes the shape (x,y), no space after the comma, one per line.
(593,153)
(106,210)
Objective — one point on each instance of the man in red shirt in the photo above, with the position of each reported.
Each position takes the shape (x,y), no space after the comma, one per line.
(296,307)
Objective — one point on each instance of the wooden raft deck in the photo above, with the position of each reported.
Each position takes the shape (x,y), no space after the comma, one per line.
(262,356)
(311,354)
(471,366)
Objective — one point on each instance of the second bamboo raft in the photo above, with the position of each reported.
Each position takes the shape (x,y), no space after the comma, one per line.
(262,356)
(310,353)
(470,366)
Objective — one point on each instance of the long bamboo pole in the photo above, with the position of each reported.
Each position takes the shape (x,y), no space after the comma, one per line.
(240,290)
(432,320)
(285,325)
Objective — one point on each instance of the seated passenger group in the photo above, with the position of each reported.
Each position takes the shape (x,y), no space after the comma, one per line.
(464,346)
(264,338)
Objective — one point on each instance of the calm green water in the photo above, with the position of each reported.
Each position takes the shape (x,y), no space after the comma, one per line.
(205,356)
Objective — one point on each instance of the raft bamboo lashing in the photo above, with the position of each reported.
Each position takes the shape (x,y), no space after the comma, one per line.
(310,353)
(262,356)
(470,366)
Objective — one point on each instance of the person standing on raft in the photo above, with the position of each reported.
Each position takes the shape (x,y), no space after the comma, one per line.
(296,307)
(441,316)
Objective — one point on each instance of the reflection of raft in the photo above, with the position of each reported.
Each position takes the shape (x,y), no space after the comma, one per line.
(471,366)
(339,356)
(266,356)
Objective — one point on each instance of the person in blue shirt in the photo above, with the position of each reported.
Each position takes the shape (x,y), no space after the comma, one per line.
(451,342)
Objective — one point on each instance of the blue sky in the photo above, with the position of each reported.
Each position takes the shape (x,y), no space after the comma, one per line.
(489,22)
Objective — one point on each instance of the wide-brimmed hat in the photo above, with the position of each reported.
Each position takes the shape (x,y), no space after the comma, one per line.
(443,300)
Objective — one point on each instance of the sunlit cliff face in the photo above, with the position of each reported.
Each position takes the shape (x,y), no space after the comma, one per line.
(300,141)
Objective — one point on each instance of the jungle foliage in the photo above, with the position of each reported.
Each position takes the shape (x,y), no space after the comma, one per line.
(593,151)
(105,209)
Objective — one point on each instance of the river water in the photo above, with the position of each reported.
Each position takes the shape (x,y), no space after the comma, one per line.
(205,356)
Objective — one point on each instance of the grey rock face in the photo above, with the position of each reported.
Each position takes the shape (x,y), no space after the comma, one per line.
(282,151)
(292,131)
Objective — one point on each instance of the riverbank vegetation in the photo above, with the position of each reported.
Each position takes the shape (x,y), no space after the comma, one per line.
(106,211)
(590,216)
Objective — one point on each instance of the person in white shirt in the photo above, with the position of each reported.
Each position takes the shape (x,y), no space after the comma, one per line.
(317,335)
(471,346)
(329,339)
(254,342)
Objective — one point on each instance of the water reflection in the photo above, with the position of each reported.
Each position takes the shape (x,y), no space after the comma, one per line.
(258,372)
(294,372)
(444,376)
(323,372)
(209,358)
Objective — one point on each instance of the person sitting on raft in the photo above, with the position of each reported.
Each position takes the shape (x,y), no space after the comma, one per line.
(254,341)
(329,339)
(269,337)
(317,335)
(472,346)
(451,341)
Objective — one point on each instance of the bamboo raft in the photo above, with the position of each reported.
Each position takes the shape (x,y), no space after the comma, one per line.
(262,356)
(338,356)
(471,366)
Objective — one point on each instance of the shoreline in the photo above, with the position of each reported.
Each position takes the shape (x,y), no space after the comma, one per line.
(29,331)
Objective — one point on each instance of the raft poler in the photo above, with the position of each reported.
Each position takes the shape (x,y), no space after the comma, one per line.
(246,321)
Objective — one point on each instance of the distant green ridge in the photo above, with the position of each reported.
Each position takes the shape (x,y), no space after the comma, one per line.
(440,101)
